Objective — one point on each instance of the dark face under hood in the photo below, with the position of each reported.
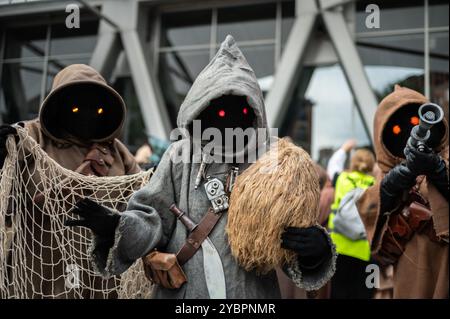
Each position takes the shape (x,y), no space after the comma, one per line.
(226,82)
(398,109)
(227,112)
(81,107)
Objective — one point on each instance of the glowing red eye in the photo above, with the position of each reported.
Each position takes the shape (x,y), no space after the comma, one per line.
(221,113)
(396,129)
(245,110)
(414,120)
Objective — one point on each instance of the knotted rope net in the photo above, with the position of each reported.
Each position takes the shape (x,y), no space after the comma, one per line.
(39,256)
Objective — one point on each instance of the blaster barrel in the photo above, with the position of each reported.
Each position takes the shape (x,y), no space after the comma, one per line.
(430,114)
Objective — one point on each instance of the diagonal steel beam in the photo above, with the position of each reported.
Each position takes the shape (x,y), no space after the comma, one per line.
(352,66)
(98,13)
(125,15)
(289,68)
(107,50)
(153,111)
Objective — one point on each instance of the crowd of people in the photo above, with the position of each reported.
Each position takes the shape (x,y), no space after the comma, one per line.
(387,207)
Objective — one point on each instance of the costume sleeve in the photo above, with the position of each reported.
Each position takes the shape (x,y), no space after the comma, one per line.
(440,209)
(438,198)
(314,279)
(368,208)
(376,220)
(146,224)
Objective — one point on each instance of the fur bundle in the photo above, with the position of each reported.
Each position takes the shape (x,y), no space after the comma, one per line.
(279,190)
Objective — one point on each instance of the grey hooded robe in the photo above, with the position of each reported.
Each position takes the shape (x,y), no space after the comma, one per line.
(148,224)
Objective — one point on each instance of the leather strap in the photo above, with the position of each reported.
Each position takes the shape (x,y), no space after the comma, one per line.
(197,236)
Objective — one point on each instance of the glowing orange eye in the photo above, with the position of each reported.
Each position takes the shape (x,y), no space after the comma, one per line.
(414,120)
(396,129)
(221,113)
(100,110)
(245,110)
(75,109)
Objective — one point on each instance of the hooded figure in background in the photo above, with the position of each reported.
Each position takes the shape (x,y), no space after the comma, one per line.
(225,95)
(394,210)
(78,126)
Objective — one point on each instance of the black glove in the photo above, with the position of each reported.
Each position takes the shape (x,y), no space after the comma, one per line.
(430,164)
(310,244)
(394,183)
(423,163)
(102,221)
(5,131)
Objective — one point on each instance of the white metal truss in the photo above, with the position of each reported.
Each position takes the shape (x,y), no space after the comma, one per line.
(290,65)
(308,14)
(111,42)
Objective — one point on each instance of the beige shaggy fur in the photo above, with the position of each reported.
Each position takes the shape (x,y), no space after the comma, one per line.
(267,198)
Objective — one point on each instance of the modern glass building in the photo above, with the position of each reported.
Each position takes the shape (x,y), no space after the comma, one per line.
(323,65)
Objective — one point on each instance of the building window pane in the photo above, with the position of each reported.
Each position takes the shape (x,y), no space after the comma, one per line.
(288,18)
(21,86)
(186,28)
(394,15)
(438,13)
(439,68)
(25,42)
(247,23)
(73,41)
(401,50)
(177,72)
(393,60)
(25,58)
(439,51)
(134,132)
(261,59)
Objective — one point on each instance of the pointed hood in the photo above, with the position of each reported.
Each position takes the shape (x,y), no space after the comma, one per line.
(228,73)
(401,97)
(87,79)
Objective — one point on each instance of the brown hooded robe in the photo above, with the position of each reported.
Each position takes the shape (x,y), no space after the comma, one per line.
(109,157)
(71,153)
(422,269)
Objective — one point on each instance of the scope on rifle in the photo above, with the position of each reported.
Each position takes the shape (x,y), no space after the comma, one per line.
(429,114)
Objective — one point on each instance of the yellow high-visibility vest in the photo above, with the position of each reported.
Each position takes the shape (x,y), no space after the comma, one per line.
(346,182)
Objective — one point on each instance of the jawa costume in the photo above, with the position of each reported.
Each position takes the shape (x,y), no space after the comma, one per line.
(79,123)
(78,126)
(225,94)
(406,212)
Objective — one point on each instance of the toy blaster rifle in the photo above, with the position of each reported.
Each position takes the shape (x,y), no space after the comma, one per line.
(430,114)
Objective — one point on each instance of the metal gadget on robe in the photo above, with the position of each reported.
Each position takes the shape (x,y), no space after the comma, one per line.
(215,191)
